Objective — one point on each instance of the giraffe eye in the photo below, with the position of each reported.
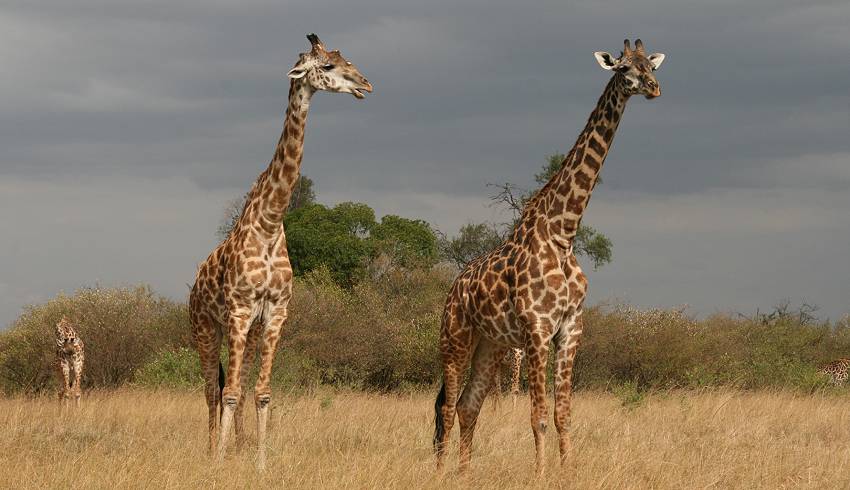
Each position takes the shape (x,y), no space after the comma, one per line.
(328,67)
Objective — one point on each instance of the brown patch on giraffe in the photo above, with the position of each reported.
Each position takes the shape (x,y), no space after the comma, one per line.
(592,162)
(594,145)
(582,180)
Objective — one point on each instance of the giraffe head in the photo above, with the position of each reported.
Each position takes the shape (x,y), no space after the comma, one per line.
(329,71)
(636,67)
(66,337)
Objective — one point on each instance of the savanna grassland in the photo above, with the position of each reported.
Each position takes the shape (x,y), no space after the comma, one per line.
(723,438)
(663,399)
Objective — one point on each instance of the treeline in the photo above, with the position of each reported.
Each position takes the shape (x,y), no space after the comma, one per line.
(381,334)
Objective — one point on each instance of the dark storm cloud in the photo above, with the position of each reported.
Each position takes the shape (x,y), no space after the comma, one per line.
(136,114)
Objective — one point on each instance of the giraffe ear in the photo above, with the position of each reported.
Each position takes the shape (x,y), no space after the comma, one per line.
(656,59)
(297,72)
(605,60)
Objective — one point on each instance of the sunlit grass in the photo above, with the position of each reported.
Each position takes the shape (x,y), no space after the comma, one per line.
(156,439)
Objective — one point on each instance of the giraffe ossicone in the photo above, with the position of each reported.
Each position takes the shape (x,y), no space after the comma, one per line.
(529,291)
(242,290)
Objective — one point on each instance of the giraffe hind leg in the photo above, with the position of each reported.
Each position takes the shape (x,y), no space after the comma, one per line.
(488,355)
(456,350)
(207,339)
(496,391)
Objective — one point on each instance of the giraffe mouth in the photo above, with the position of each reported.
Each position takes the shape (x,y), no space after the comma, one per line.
(358,92)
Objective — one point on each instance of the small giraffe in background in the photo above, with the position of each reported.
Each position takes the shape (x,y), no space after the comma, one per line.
(69,361)
(514,358)
(837,371)
(528,293)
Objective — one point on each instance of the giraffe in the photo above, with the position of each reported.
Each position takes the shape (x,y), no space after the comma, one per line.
(514,360)
(70,356)
(242,289)
(530,289)
(836,371)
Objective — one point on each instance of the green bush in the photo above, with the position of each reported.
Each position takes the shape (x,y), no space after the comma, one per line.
(171,369)
(382,334)
(121,328)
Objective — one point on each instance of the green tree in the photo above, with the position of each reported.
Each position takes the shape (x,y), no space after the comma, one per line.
(317,236)
(473,240)
(302,193)
(410,243)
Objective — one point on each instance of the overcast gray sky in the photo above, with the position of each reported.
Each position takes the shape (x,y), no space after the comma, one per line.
(125,129)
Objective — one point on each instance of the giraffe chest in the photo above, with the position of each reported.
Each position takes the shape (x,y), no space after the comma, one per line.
(525,295)
(262,269)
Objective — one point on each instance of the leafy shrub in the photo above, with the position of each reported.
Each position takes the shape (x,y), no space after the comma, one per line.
(382,334)
(171,369)
(121,328)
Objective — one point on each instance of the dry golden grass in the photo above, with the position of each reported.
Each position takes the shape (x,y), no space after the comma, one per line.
(145,439)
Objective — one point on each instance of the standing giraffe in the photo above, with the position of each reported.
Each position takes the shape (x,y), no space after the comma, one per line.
(242,290)
(70,357)
(529,290)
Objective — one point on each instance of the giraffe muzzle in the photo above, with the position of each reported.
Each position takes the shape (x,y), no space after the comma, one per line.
(358,92)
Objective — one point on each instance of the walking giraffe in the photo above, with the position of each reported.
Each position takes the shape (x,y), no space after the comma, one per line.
(70,356)
(242,290)
(530,290)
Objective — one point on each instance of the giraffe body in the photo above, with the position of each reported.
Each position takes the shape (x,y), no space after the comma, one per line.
(70,357)
(529,291)
(838,371)
(242,290)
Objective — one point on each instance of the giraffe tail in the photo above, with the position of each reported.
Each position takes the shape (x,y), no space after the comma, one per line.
(220,391)
(439,423)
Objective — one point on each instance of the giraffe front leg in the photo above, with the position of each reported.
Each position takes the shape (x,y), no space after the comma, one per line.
(262,390)
(238,325)
(485,361)
(64,368)
(566,342)
(247,364)
(78,374)
(537,351)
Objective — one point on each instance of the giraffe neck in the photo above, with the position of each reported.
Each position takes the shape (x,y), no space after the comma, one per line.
(268,199)
(562,201)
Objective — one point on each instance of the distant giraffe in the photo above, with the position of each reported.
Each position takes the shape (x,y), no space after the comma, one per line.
(530,290)
(70,357)
(837,371)
(514,360)
(242,290)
